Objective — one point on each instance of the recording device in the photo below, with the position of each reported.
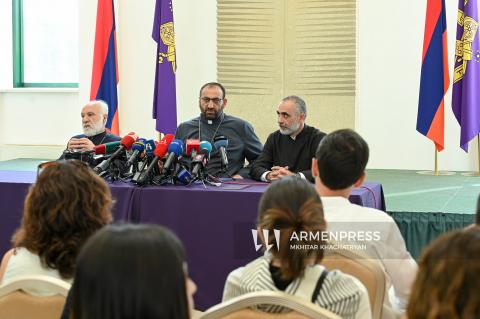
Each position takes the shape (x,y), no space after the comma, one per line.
(221,144)
(175,150)
(200,161)
(184,177)
(159,153)
(138,148)
(150,147)
(193,148)
(125,144)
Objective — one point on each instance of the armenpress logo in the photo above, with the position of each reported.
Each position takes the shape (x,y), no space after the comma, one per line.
(265,233)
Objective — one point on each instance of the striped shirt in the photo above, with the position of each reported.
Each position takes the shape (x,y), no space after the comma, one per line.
(341,294)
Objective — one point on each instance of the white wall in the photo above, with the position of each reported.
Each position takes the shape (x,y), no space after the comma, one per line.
(390,39)
(390,43)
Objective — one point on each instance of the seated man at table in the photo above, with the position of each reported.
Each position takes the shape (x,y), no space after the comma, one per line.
(289,150)
(94,117)
(243,143)
(338,167)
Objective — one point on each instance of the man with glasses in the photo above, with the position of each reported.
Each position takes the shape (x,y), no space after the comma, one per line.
(288,151)
(212,123)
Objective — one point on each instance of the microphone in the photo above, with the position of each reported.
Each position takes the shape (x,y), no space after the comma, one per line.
(107,148)
(221,144)
(201,160)
(159,152)
(125,144)
(138,148)
(175,149)
(184,177)
(193,147)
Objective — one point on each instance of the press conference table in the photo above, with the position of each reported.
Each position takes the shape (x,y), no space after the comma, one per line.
(214,223)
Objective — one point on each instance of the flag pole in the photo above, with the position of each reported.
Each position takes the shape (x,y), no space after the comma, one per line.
(436,172)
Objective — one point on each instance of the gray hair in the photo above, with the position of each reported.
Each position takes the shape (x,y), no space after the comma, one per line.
(299,102)
(103,106)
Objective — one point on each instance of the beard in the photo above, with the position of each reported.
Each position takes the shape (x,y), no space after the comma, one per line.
(93,129)
(289,130)
(211,114)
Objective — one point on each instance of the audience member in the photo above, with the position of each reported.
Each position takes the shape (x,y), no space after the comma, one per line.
(243,143)
(448,278)
(289,150)
(94,117)
(132,272)
(292,206)
(339,166)
(67,204)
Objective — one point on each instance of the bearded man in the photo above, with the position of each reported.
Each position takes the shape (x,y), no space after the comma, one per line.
(289,150)
(243,143)
(94,117)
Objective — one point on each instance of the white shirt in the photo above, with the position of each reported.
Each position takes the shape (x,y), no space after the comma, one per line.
(388,247)
(24,263)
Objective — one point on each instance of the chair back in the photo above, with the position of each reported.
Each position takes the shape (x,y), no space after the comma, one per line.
(240,307)
(370,273)
(16,303)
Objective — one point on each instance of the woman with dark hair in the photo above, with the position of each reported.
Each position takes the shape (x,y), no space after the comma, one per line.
(132,271)
(292,207)
(448,278)
(66,205)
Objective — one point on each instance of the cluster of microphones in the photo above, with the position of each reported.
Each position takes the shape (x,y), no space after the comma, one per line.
(147,162)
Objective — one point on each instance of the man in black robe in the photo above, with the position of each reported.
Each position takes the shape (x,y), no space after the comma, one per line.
(289,150)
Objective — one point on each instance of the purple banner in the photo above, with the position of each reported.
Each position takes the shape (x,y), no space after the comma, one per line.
(164,96)
(466,75)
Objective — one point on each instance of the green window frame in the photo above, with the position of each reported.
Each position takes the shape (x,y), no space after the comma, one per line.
(18,53)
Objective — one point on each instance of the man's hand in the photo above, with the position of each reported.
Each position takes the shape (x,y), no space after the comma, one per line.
(237,176)
(278,172)
(80,145)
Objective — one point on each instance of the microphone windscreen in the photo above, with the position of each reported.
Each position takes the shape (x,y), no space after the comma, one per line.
(107,148)
(176,147)
(168,138)
(150,146)
(193,145)
(205,146)
(184,177)
(160,150)
(128,140)
(220,143)
(100,149)
(138,146)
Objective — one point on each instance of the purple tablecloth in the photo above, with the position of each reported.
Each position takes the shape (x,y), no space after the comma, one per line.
(214,223)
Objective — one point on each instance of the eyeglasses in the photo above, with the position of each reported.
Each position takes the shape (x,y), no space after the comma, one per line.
(42,166)
(215,100)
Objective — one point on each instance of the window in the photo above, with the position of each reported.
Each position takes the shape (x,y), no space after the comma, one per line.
(45,43)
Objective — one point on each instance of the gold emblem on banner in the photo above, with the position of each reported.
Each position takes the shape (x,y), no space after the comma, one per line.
(168,38)
(463,47)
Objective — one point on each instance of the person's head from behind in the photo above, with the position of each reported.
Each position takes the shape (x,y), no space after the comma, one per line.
(448,278)
(292,206)
(291,115)
(94,117)
(212,100)
(66,205)
(340,161)
(132,271)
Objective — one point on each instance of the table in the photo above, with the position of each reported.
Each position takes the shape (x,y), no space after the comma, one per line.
(214,223)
